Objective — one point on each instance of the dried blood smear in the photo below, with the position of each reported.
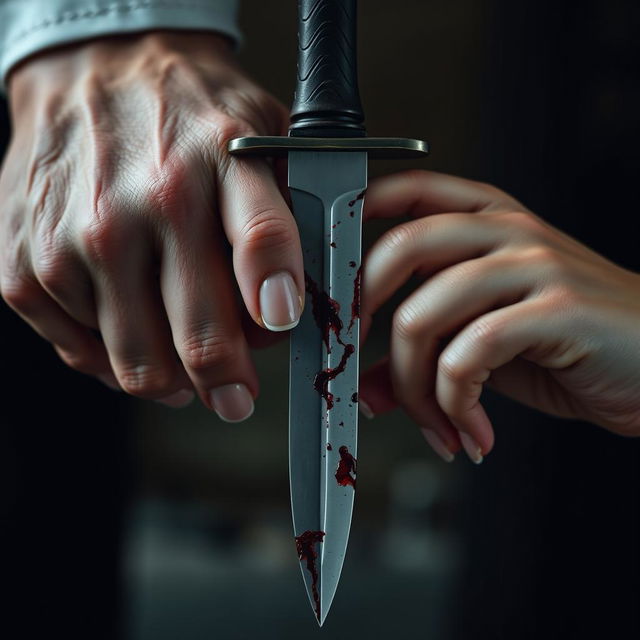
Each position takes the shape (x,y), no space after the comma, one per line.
(355,304)
(325,310)
(358,197)
(329,447)
(321,381)
(305,546)
(346,467)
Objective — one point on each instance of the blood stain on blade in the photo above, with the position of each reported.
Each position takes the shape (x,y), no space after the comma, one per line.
(321,381)
(355,304)
(306,548)
(326,311)
(346,467)
(358,197)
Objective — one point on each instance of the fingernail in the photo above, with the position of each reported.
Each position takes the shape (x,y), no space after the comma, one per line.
(437,444)
(232,402)
(365,409)
(473,449)
(110,380)
(279,302)
(178,399)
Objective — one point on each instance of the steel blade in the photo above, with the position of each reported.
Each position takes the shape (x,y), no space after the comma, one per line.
(327,191)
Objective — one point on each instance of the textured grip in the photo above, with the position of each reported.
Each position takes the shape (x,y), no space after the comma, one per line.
(326,101)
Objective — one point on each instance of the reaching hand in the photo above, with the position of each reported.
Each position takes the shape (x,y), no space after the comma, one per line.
(508,301)
(117,199)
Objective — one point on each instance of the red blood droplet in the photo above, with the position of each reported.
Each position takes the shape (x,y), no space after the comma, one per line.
(321,381)
(358,197)
(326,311)
(346,467)
(329,447)
(306,548)
(355,304)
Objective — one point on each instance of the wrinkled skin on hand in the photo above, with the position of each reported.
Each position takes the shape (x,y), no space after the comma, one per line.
(508,301)
(118,201)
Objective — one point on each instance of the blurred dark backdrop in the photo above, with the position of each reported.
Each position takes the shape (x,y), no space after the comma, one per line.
(124,519)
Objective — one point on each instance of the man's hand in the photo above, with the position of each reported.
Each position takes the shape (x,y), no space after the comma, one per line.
(117,198)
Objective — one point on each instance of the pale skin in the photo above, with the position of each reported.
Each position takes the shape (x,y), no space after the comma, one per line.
(118,201)
(508,301)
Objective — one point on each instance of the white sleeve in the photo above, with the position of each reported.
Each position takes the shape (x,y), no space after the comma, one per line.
(28,26)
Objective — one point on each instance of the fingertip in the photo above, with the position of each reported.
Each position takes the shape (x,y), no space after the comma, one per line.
(438,444)
(280,302)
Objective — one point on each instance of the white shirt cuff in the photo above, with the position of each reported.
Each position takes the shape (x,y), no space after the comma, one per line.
(29,26)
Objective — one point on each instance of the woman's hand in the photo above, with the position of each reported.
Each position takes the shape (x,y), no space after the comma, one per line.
(508,301)
(117,199)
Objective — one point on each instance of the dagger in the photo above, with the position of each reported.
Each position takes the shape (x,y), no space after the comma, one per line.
(327,151)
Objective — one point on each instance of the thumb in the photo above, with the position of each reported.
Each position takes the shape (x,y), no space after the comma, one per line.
(267,257)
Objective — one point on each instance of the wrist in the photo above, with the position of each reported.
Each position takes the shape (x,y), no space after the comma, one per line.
(58,68)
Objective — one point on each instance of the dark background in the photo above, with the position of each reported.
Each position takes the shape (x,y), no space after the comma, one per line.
(121,518)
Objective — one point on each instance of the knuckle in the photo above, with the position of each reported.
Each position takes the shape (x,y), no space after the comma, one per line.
(545,258)
(403,235)
(561,299)
(407,323)
(49,267)
(524,222)
(167,192)
(21,293)
(77,359)
(16,284)
(226,128)
(486,332)
(267,230)
(451,367)
(415,177)
(208,349)
(145,380)
(100,241)
(493,192)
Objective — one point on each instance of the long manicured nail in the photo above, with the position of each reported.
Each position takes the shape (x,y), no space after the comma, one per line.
(473,449)
(279,302)
(437,444)
(178,399)
(110,380)
(232,402)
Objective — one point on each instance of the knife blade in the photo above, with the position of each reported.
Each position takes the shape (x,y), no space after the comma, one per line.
(328,154)
(326,193)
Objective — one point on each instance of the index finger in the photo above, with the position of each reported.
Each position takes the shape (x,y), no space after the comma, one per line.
(421,193)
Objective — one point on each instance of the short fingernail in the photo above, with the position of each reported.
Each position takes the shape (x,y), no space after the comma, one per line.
(473,449)
(178,399)
(110,380)
(232,402)
(437,444)
(279,302)
(365,409)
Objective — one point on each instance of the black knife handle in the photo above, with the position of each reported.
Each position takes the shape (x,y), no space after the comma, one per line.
(327,101)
